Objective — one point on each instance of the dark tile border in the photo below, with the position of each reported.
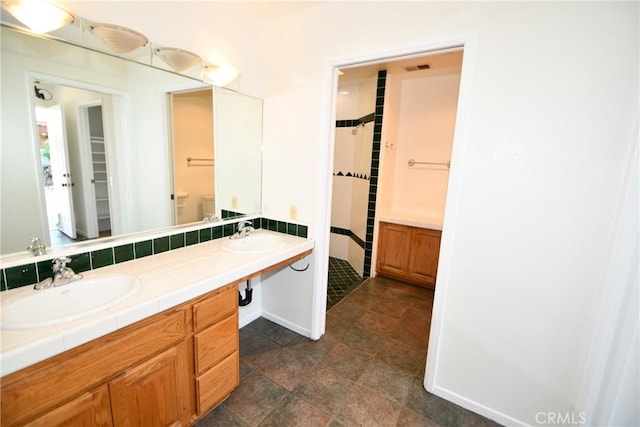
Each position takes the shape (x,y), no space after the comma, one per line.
(30,273)
(375,162)
(355,122)
(349,233)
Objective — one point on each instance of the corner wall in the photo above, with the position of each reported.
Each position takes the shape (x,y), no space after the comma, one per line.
(531,230)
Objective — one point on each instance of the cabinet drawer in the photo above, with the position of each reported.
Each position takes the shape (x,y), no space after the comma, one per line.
(218,382)
(215,307)
(91,409)
(216,342)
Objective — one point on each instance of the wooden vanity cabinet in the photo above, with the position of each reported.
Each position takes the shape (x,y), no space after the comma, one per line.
(408,253)
(166,370)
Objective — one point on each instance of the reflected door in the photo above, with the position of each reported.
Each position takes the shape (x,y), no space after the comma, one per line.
(53,118)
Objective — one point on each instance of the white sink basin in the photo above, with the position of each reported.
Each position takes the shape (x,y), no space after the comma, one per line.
(64,303)
(253,243)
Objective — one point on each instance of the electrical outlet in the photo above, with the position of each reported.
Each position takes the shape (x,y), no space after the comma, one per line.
(293,212)
(234,202)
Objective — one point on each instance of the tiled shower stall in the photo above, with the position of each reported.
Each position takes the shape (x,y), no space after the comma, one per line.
(355,173)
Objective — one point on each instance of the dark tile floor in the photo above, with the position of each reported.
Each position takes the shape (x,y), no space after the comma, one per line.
(342,279)
(367,370)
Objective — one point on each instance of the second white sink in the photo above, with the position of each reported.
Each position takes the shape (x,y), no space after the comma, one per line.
(64,303)
(254,243)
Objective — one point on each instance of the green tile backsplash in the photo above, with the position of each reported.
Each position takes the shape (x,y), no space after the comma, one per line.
(123,253)
(102,258)
(143,249)
(28,274)
(192,237)
(21,275)
(161,244)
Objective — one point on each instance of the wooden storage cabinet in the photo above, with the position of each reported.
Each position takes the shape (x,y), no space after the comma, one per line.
(216,344)
(408,253)
(142,375)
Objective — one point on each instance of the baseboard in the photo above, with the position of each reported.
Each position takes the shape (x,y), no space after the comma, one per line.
(473,406)
(248,318)
(286,324)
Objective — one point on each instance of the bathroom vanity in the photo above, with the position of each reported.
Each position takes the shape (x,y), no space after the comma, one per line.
(408,253)
(176,359)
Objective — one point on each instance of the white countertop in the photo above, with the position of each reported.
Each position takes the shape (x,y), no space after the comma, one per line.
(166,280)
(431,221)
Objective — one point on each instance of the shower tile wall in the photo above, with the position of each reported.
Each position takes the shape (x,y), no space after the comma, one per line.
(381,83)
(352,170)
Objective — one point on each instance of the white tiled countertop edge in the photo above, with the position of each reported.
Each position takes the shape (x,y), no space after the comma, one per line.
(166,280)
(431,222)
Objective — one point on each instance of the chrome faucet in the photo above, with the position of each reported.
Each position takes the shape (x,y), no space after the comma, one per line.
(37,247)
(62,275)
(244,228)
(211,218)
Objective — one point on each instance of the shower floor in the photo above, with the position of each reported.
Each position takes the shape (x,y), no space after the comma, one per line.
(342,280)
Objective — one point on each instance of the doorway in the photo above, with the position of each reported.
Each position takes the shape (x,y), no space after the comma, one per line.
(388,114)
(193,155)
(76,161)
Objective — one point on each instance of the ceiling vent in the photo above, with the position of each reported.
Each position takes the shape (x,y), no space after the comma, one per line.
(418,67)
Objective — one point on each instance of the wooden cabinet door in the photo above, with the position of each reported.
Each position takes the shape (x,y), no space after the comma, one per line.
(423,260)
(91,409)
(394,243)
(152,393)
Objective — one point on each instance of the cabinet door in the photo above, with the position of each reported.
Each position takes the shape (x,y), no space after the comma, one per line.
(423,260)
(91,409)
(393,249)
(152,393)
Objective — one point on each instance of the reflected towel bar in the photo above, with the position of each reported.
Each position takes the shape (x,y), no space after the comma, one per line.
(412,162)
(194,159)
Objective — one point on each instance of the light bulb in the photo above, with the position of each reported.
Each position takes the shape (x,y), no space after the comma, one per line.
(41,16)
(220,75)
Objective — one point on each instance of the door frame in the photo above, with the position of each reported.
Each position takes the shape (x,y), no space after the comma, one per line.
(468,43)
(86,168)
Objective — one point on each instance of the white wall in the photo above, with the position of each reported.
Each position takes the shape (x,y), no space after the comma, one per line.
(540,165)
(238,142)
(425,120)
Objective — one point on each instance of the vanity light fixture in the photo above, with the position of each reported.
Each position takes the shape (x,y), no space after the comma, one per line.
(219,75)
(177,59)
(40,16)
(119,39)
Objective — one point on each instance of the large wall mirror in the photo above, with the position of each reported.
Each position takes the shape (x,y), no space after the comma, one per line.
(95,145)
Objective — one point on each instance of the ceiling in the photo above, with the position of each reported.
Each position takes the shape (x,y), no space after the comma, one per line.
(267,10)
